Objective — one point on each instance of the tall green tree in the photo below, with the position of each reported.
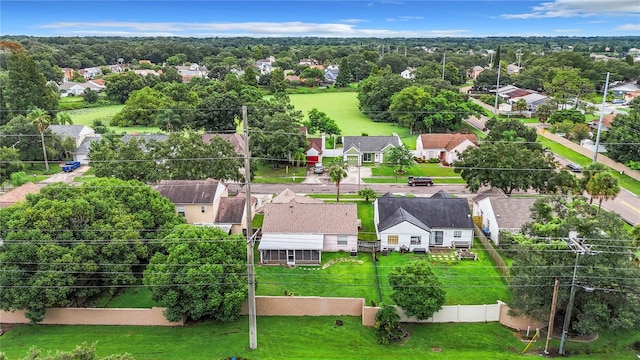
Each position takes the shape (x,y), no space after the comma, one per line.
(417,289)
(169,120)
(119,86)
(62,118)
(401,157)
(520,105)
(544,112)
(219,112)
(9,163)
(41,120)
(542,254)
(623,137)
(213,285)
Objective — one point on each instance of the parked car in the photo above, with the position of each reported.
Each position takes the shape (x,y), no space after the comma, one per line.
(420,180)
(318,168)
(618,101)
(574,167)
(69,166)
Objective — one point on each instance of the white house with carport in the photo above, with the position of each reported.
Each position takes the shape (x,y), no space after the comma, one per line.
(420,224)
(296,233)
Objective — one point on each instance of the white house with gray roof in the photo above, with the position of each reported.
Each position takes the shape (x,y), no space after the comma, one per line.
(501,213)
(368,149)
(418,224)
(82,135)
(295,233)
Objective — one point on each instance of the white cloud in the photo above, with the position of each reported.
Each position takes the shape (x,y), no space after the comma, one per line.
(255,29)
(629,27)
(564,31)
(578,8)
(353,21)
(404,18)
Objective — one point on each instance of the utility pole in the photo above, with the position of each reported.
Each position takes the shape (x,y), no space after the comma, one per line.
(358,169)
(552,316)
(253,331)
(604,100)
(579,250)
(495,106)
(444,57)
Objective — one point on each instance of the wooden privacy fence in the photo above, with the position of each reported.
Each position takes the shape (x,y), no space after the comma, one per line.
(498,261)
(94,316)
(368,246)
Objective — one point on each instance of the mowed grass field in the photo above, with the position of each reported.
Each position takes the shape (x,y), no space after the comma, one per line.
(104,114)
(342,107)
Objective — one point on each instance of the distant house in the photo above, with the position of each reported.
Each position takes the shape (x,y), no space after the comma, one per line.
(82,136)
(499,212)
(606,122)
(444,147)
(82,152)
(78,88)
(265,66)
(286,196)
(473,74)
(297,233)
(408,74)
(621,90)
(191,71)
(18,194)
(368,149)
(315,150)
(307,62)
(91,72)
(513,69)
(331,74)
(418,224)
(533,100)
(235,139)
(145,72)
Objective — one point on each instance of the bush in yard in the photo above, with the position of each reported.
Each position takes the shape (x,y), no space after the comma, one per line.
(387,325)
(417,289)
(367,193)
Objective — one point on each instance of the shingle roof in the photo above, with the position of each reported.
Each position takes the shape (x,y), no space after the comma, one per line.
(85,146)
(446,141)
(18,194)
(315,143)
(231,210)
(67,130)
(236,140)
(441,195)
(318,218)
(286,196)
(370,143)
(434,213)
(401,215)
(512,213)
(189,191)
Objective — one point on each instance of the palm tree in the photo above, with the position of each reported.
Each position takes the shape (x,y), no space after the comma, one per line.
(520,106)
(337,172)
(603,186)
(543,112)
(62,118)
(41,120)
(168,119)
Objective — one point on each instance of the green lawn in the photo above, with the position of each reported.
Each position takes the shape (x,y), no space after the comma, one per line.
(302,338)
(283,174)
(466,282)
(342,279)
(87,116)
(342,107)
(416,170)
(365,214)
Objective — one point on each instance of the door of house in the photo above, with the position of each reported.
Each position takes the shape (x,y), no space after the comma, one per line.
(291,258)
(439,237)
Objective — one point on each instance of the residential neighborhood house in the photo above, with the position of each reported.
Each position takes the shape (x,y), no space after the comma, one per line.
(445,147)
(368,149)
(82,136)
(296,233)
(420,224)
(499,212)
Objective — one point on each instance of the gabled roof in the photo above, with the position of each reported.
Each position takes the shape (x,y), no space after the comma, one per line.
(85,146)
(231,210)
(144,138)
(517,93)
(446,141)
(18,194)
(370,143)
(236,140)
(73,131)
(286,196)
(441,195)
(626,87)
(491,192)
(401,215)
(315,143)
(189,191)
(321,218)
(512,213)
(451,213)
(534,98)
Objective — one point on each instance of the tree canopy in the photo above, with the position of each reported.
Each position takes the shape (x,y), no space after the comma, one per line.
(416,289)
(68,243)
(201,272)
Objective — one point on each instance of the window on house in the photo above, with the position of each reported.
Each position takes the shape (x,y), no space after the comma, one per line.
(416,240)
(457,234)
(202,208)
(342,240)
(180,210)
(392,239)
(430,154)
(367,157)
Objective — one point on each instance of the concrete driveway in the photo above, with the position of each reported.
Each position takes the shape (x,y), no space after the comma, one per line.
(355,175)
(65,177)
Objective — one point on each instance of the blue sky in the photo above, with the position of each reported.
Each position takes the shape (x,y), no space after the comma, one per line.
(366,18)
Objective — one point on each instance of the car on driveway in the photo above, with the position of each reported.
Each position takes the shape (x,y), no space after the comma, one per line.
(420,180)
(574,167)
(318,168)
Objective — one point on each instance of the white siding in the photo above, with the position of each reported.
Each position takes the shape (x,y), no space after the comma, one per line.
(404,231)
(331,243)
(483,207)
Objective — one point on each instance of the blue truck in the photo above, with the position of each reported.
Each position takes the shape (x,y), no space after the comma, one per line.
(69,166)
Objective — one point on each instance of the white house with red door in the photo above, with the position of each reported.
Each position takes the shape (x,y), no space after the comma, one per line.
(317,146)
